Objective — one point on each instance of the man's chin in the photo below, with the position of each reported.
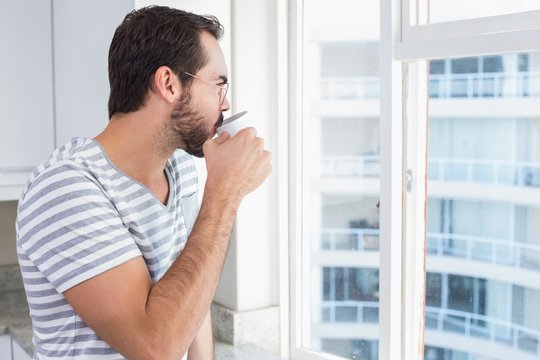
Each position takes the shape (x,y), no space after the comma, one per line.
(195,152)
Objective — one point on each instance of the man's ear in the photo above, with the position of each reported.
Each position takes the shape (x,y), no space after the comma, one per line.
(166,84)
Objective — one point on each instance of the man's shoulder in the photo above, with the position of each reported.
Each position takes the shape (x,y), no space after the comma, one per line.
(73,157)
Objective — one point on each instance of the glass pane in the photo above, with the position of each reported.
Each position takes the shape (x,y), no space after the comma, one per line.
(449,10)
(483,224)
(342,165)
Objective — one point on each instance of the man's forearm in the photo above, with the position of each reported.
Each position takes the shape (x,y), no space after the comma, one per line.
(202,347)
(178,303)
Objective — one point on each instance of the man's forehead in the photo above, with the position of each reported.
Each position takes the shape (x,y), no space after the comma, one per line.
(215,66)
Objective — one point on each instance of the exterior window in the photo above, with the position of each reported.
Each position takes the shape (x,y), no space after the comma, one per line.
(342,164)
(480,165)
(448,144)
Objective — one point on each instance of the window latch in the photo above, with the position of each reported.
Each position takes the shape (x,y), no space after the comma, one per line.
(409,180)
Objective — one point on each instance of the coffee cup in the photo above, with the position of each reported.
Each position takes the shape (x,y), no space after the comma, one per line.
(234,124)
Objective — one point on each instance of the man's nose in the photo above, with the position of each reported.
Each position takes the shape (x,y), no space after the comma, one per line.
(226,105)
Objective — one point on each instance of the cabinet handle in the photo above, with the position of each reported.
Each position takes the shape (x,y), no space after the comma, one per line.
(15,169)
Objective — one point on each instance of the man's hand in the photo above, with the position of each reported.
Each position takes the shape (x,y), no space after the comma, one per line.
(236,165)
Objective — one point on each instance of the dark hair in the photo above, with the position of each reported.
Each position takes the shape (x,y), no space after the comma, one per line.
(151,37)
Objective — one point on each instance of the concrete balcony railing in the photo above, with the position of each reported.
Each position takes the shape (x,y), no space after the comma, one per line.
(475,85)
(497,172)
(485,85)
(484,327)
(478,171)
(350,88)
(349,239)
(350,311)
(468,247)
(476,248)
(359,166)
(465,323)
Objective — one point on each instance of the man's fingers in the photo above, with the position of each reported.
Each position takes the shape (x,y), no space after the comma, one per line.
(222,137)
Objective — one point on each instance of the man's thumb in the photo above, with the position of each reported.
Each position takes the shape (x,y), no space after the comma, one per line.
(222,138)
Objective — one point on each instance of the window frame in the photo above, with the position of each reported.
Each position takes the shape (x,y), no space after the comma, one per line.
(407,43)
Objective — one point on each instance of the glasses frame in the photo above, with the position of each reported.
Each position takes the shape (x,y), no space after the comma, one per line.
(223,89)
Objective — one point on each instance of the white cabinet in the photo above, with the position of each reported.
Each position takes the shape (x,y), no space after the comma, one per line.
(53,78)
(83,31)
(11,350)
(5,346)
(18,352)
(26,78)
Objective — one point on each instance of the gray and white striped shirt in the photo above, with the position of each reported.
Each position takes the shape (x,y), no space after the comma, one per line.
(80,216)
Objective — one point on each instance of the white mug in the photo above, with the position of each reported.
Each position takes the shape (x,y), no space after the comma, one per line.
(234,124)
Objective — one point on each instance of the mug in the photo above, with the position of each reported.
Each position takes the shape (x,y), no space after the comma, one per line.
(234,124)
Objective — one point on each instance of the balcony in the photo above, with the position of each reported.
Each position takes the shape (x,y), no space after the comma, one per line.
(478,171)
(467,247)
(478,85)
(350,88)
(471,325)
(350,311)
(495,172)
(349,239)
(475,85)
(358,166)
(484,327)
(494,251)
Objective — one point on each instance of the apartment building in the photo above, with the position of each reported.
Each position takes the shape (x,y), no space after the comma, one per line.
(483,185)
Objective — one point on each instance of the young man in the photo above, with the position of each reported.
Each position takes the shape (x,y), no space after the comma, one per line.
(116,257)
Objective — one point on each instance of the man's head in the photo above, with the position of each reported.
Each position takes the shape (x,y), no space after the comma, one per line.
(185,46)
(147,39)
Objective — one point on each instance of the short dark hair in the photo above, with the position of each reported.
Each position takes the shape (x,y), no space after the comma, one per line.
(151,37)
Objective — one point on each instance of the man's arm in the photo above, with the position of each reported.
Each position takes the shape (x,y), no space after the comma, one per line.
(160,321)
(202,347)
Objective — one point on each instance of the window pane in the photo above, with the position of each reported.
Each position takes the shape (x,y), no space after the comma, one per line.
(341,160)
(483,223)
(449,10)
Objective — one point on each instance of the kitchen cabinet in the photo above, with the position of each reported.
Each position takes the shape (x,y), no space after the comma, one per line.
(53,79)
(11,350)
(5,345)
(26,91)
(18,352)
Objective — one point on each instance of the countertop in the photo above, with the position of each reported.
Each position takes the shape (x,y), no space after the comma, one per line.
(14,320)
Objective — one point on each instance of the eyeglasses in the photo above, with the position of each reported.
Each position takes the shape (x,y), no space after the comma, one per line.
(223,89)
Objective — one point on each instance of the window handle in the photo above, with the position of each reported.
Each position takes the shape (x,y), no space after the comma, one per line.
(409,180)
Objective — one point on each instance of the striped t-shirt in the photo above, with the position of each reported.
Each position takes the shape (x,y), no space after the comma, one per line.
(80,216)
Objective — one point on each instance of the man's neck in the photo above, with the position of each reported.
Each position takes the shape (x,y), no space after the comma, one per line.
(130,143)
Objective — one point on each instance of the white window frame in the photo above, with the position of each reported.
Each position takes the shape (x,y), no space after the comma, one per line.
(408,42)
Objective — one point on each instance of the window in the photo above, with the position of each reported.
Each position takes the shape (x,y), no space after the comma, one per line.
(438,123)
(476,237)
(341,167)
(446,10)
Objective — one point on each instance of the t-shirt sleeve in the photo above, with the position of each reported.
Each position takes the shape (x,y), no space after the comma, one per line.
(69,228)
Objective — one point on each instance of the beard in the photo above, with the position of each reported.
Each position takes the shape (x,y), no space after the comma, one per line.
(186,129)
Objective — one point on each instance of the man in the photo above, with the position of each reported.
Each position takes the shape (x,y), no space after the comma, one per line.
(116,257)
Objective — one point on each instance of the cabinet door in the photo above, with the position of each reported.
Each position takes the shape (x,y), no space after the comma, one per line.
(26,85)
(5,346)
(82,32)
(18,352)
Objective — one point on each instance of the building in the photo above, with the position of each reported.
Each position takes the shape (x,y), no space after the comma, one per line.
(483,251)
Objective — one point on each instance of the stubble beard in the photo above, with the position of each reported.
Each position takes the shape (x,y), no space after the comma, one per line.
(186,129)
